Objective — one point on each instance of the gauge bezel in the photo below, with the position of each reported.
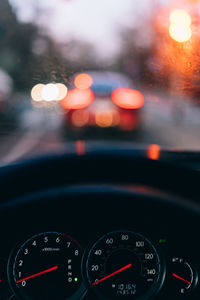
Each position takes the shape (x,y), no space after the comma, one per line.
(80,293)
(157,285)
(192,287)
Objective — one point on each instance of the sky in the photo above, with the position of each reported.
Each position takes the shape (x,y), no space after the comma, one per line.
(96,21)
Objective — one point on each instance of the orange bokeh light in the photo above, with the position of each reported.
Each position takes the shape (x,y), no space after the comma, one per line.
(77,99)
(83,81)
(180,27)
(180,17)
(104,119)
(80,117)
(153,152)
(128,98)
(180,33)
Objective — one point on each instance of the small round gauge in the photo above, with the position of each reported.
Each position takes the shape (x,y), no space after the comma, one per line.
(183,277)
(47,266)
(124,264)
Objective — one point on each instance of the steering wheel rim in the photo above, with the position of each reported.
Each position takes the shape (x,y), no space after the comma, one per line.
(95,167)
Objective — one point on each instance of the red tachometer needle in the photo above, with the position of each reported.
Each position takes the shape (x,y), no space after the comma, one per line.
(38,274)
(114,273)
(176,276)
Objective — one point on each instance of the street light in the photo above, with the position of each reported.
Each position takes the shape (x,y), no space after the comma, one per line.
(180,26)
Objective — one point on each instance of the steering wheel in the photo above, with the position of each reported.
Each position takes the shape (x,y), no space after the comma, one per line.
(109,167)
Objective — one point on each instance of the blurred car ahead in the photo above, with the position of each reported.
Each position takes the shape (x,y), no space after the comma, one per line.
(102,100)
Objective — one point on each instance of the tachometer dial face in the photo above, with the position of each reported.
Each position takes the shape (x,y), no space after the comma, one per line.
(47,266)
(126,265)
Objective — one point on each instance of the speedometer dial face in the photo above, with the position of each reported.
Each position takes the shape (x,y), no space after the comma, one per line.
(126,265)
(47,266)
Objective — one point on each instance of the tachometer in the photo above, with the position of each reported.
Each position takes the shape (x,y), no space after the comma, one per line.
(124,264)
(47,266)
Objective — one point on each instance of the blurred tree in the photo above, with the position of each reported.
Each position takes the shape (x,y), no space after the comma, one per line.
(16,41)
(135,54)
(7,23)
(30,55)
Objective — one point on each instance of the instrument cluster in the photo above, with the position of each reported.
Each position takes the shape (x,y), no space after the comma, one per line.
(122,264)
(96,243)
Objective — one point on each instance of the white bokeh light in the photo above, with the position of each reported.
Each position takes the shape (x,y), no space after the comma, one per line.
(50,92)
(36,92)
(62,91)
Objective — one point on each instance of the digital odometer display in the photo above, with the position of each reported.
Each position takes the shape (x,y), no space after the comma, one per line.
(47,266)
(126,265)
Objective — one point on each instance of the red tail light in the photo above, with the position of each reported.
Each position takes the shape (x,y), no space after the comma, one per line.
(128,98)
(78,99)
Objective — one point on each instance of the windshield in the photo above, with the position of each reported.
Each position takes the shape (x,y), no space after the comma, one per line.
(118,71)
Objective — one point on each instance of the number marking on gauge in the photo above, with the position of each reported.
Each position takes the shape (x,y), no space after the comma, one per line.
(127,264)
(47,266)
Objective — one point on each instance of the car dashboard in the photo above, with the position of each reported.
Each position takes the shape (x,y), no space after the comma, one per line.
(99,241)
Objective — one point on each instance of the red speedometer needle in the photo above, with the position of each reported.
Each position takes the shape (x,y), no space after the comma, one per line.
(176,276)
(114,273)
(38,274)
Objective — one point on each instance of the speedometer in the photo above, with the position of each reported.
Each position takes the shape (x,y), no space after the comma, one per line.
(47,266)
(124,264)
